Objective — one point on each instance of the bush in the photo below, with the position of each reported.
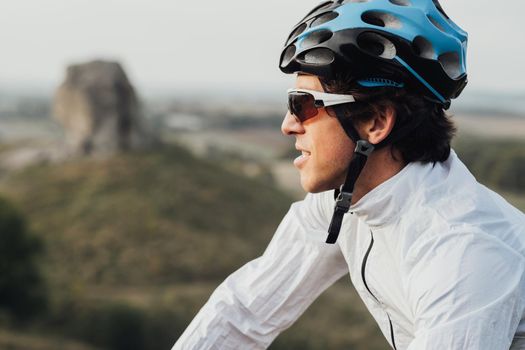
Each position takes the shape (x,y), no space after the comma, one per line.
(107,325)
(117,325)
(22,293)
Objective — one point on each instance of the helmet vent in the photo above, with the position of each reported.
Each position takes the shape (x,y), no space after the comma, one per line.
(450,63)
(423,48)
(288,55)
(376,45)
(400,2)
(321,6)
(381,19)
(439,8)
(316,38)
(318,57)
(297,31)
(325,17)
(436,24)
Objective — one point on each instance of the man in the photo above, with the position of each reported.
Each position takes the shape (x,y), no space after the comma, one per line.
(438,259)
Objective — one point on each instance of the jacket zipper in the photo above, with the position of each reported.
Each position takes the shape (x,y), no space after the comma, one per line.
(363,269)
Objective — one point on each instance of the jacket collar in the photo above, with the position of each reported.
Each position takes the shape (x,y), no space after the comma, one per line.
(385,203)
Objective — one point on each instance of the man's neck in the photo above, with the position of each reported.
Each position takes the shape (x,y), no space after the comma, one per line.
(381,166)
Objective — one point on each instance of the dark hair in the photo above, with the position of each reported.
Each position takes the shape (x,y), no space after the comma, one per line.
(429,139)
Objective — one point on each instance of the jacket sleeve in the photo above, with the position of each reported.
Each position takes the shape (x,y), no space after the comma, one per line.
(466,292)
(265,296)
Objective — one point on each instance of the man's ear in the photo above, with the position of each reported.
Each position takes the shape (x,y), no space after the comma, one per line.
(379,127)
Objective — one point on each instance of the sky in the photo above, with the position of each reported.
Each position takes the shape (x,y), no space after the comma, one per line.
(210,44)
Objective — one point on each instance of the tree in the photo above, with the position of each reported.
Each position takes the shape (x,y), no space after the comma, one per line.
(22,292)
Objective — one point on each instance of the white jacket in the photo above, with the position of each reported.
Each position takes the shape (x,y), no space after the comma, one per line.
(438,259)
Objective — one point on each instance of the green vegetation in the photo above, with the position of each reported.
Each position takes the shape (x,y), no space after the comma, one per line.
(140,219)
(112,228)
(496,163)
(22,293)
(13,340)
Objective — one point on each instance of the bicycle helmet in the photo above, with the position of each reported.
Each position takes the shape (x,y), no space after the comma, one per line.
(412,43)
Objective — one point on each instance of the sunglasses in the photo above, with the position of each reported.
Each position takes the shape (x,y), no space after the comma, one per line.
(304,104)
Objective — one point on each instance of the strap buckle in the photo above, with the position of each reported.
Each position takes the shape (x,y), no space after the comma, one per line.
(363,147)
(343,200)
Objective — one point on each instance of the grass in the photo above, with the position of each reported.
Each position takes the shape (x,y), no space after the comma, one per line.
(13,340)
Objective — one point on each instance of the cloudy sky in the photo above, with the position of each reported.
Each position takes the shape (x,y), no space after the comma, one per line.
(215,44)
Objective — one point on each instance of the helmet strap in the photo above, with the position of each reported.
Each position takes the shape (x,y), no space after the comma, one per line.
(344,194)
(346,123)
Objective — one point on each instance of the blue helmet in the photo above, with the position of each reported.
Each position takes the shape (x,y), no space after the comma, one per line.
(398,43)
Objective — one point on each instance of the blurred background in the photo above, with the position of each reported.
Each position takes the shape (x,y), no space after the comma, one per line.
(141,162)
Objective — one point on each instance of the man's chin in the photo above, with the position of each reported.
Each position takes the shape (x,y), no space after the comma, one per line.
(315,186)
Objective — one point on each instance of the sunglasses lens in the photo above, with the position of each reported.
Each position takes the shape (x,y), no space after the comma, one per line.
(302,105)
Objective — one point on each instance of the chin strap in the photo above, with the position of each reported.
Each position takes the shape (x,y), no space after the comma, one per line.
(344,197)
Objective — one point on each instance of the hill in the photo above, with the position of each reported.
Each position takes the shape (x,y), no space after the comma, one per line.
(140,228)
(140,218)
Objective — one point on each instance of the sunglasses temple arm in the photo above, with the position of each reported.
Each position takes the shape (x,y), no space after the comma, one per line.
(337,101)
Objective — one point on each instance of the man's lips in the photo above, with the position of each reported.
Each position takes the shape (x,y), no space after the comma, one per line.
(303,150)
(303,158)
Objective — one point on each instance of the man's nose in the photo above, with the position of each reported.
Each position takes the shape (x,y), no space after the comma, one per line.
(290,125)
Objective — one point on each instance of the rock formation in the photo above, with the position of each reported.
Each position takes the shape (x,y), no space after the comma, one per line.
(99,110)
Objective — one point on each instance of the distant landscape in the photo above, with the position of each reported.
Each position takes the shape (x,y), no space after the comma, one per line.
(132,245)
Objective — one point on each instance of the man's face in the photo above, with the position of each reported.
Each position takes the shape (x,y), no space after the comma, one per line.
(326,149)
